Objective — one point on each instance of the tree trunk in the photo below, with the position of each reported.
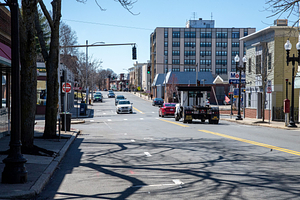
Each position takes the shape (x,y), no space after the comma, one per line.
(28,73)
(52,76)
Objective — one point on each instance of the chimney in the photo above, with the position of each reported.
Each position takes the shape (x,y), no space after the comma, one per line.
(281,22)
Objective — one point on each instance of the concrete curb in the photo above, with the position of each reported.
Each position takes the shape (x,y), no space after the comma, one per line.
(258,124)
(45,177)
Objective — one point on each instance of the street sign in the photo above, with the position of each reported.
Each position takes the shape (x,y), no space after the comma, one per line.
(77,88)
(236,93)
(66,87)
(269,86)
(234,77)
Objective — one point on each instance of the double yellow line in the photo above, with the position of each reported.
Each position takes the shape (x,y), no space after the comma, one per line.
(138,110)
(254,143)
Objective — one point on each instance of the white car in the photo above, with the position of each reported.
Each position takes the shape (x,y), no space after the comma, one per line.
(124,106)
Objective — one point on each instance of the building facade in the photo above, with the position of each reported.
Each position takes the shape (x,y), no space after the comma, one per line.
(266,61)
(198,45)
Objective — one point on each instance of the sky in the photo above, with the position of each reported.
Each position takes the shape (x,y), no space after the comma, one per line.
(116,25)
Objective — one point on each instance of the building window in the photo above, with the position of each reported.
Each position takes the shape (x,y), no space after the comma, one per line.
(249,99)
(205,53)
(221,71)
(166,44)
(189,53)
(258,64)
(176,61)
(41,92)
(176,44)
(235,35)
(176,34)
(176,69)
(204,69)
(245,32)
(249,65)
(205,62)
(205,35)
(176,53)
(235,44)
(166,53)
(166,61)
(221,62)
(189,69)
(189,62)
(190,34)
(269,61)
(234,53)
(205,44)
(221,44)
(190,44)
(166,34)
(221,35)
(221,53)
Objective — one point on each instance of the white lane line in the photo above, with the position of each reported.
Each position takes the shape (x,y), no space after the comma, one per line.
(153,112)
(92,120)
(141,118)
(132,140)
(147,154)
(176,182)
(107,125)
(109,120)
(125,119)
(125,133)
(104,113)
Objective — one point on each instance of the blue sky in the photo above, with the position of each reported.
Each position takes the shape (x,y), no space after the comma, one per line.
(117,25)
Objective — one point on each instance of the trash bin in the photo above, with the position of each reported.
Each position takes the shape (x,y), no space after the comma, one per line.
(82,109)
(68,121)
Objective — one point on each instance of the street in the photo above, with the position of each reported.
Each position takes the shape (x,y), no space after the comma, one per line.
(142,156)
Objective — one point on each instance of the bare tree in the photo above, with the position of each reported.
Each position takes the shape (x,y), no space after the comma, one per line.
(281,7)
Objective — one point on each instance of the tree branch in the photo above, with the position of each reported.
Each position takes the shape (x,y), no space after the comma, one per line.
(46,13)
(40,36)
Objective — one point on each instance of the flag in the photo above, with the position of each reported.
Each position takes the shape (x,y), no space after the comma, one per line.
(227,100)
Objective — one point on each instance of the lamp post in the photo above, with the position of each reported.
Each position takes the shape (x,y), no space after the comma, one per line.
(288,47)
(86,65)
(237,60)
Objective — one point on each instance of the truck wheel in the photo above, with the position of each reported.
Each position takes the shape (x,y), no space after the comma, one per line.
(202,120)
(216,121)
(184,121)
(210,121)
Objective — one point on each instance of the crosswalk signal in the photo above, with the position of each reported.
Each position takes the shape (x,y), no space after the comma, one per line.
(148,69)
(134,53)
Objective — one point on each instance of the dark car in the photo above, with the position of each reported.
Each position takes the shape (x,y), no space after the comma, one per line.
(97,97)
(111,95)
(157,101)
(125,90)
(119,97)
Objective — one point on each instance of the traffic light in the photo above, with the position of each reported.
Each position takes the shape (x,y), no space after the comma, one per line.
(148,69)
(198,83)
(134,53)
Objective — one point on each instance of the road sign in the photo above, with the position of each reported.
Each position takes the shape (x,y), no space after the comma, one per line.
(236,93)
(77,88)
(66,87)
(234,77)
(269,86)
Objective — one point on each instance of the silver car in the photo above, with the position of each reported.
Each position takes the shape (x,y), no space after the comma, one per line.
(124,106)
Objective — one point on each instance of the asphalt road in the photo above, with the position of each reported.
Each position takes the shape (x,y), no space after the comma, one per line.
(142,156)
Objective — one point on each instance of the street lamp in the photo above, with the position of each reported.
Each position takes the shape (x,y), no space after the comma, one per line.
(86,65)
(288,47)
(237,60)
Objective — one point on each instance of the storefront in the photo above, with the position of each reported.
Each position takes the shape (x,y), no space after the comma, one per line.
(41,89)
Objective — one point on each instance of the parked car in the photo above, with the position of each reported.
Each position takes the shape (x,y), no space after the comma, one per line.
(125,90)
(98,92)
(105,89)
(157,101)
(167,109)
(119,97)
(124,106)
(111,94)
(97,97)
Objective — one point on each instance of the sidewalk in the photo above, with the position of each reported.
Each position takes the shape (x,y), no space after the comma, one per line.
(39,168)
(258,122)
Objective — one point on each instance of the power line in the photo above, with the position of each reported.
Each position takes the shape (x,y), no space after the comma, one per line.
(113,25)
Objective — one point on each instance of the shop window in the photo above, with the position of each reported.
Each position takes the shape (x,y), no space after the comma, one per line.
(41,92)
